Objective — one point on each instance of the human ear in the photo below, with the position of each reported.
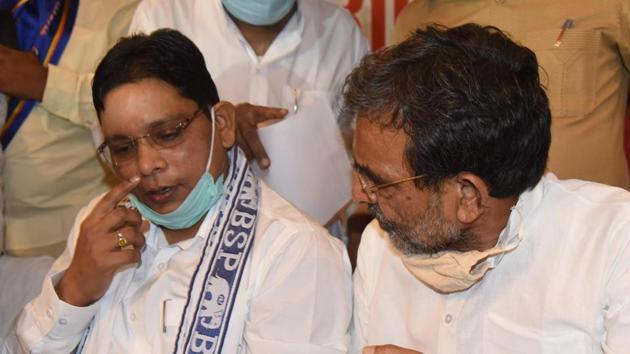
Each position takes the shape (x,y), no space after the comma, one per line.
(224,114)
(472,193)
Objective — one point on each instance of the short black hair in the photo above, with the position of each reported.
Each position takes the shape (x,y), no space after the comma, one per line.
(165,55)
(469,99)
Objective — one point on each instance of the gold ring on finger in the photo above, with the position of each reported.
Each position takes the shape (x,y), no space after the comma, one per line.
(121,240)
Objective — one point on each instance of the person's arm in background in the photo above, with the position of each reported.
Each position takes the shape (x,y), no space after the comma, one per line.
(62,91)
(21,74)
(68,93)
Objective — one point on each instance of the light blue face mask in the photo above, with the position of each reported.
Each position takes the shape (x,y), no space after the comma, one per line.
(259,12)
(204,196)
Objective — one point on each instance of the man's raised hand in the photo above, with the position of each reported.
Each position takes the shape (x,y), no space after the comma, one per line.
(97,255)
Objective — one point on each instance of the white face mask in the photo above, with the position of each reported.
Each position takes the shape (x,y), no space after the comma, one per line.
(451,271)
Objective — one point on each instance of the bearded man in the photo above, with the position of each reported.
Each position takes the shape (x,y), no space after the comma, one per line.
(475,249)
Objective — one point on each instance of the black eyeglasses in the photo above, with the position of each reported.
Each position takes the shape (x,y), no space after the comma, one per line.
(121,150)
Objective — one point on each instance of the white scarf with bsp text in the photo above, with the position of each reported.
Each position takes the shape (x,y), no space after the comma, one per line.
(216,279)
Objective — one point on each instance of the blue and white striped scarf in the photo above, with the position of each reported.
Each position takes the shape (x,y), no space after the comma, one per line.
(216,280)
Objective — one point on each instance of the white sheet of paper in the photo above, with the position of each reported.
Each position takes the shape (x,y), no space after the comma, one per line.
(309,163)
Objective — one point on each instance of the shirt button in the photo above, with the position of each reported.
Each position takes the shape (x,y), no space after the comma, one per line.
(448,318)
(161,266)
(132,317)
(49,313)
(63,321)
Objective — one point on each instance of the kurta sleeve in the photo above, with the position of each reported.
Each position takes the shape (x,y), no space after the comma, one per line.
(47,324)
(68,94)
(68,91)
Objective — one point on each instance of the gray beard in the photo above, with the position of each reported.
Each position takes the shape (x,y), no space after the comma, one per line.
(429,234)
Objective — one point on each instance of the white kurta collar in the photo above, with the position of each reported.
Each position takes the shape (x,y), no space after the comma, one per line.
(513,231)
(285,43)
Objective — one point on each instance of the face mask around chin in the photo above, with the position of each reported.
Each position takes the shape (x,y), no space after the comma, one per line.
(206,193)
(452,271)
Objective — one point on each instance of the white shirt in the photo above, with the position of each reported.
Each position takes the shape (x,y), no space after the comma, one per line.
(306,63)
(282,306)
(315,51)
(564,289)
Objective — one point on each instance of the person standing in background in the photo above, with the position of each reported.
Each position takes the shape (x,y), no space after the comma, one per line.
(583,48)
(8,39)
(283,53)
(22,277)
(51,169)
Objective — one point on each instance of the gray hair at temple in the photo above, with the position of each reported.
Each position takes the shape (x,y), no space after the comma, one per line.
(468,97)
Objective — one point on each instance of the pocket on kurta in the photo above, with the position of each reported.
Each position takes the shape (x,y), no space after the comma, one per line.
(567,71)
(172,314)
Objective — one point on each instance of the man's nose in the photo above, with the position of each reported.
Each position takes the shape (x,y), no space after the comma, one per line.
(149,158)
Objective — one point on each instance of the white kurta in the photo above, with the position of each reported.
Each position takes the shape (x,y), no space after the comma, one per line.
(306,64)
(315,51)
(565,289)
(283,304)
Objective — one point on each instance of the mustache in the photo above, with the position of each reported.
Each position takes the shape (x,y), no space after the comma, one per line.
(398,236)
(376,212)
(431,234)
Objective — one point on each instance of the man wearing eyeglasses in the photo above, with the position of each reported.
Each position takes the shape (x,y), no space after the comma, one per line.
(474,249)
(189,252)
(293,54)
